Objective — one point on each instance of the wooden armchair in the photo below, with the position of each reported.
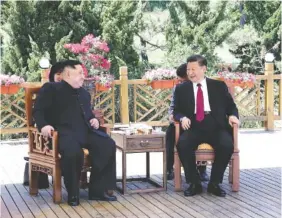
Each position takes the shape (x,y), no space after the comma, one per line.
(205,152)
(44,154)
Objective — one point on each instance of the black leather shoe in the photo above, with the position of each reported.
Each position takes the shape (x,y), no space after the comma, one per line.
(170,175)
(216,190)
(73,201)
(193,189)
(204,176)
(104,197)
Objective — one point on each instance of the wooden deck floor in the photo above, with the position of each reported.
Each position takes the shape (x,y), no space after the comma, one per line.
(259,195)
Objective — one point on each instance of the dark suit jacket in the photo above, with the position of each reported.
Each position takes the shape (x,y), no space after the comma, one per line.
(67,109)
(221,102)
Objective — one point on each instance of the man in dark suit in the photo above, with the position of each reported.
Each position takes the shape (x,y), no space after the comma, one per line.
(65,107)
(206,111)
(170,132)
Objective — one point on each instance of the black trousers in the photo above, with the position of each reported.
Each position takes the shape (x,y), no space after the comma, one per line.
(102,152)
(170,140)
(205,131)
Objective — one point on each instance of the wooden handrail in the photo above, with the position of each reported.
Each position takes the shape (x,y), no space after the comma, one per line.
(266,113)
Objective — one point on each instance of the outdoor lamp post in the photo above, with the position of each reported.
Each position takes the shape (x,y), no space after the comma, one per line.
(44,64)
(269,91)
(269,57)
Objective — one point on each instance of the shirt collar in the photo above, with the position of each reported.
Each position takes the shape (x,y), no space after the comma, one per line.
(203,83)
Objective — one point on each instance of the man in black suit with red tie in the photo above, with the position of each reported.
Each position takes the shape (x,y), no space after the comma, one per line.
(206,111)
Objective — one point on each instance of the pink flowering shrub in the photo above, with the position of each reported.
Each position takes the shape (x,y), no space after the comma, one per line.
(91,52)
(160,74)
(9,80)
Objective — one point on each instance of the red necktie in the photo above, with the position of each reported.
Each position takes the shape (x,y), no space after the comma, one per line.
(200,104)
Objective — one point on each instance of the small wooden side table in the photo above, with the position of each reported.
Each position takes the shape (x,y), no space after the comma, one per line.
(154,142)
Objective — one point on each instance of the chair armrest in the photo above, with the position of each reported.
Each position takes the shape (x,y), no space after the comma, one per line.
(38,144)
(235,137)
(105,129)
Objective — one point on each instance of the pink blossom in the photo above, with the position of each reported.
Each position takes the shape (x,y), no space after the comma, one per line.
(104,47)
(91,53)
(105,80)
(94,58)
(76,48)
(238,77)
(160,74)
(8,80)
(88,40)
(105,64)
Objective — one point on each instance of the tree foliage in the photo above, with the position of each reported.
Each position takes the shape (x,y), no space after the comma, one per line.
(195,27)
(265,18)
(39,28)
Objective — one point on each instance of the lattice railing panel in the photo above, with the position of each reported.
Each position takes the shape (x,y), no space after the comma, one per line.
(40,144)
(13,111)
(250,101)
(150,104)
(105,100)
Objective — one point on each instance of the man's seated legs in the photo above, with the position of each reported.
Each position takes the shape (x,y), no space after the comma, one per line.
(222,143)
(223,147)
(188,142)
(72,161)
(103,173)
(170,140)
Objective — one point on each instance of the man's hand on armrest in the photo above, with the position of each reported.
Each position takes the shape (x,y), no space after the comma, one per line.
(94,123)
(170,118)
(47,131)
(233,120)
(185,123)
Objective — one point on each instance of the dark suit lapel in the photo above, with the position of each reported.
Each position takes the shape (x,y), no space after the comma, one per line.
(211,93)
(191,96)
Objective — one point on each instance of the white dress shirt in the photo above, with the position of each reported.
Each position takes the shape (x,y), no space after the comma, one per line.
(205,93)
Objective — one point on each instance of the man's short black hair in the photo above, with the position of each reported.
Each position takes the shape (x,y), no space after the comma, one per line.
(202,61)
(56,68)
(181,71)
(70,63)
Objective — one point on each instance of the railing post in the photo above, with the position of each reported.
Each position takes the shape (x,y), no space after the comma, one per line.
(269,96)
(44,77)
(124,95)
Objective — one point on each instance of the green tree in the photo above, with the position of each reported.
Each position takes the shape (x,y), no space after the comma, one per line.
(198,27)
(265,18)
(52,24)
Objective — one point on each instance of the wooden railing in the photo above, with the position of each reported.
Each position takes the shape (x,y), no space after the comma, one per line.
(135,101)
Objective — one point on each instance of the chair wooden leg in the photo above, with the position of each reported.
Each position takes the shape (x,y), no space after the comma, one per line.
(83,180)
(236,173)
(177,172)
(33,180)
(230,175)
(57,185)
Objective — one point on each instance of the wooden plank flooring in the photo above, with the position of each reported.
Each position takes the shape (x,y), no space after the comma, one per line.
(259,195)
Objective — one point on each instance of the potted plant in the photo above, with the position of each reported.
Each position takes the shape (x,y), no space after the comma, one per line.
(91,53)
(242,80)
(103,82)
(10,84)
(161,78)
